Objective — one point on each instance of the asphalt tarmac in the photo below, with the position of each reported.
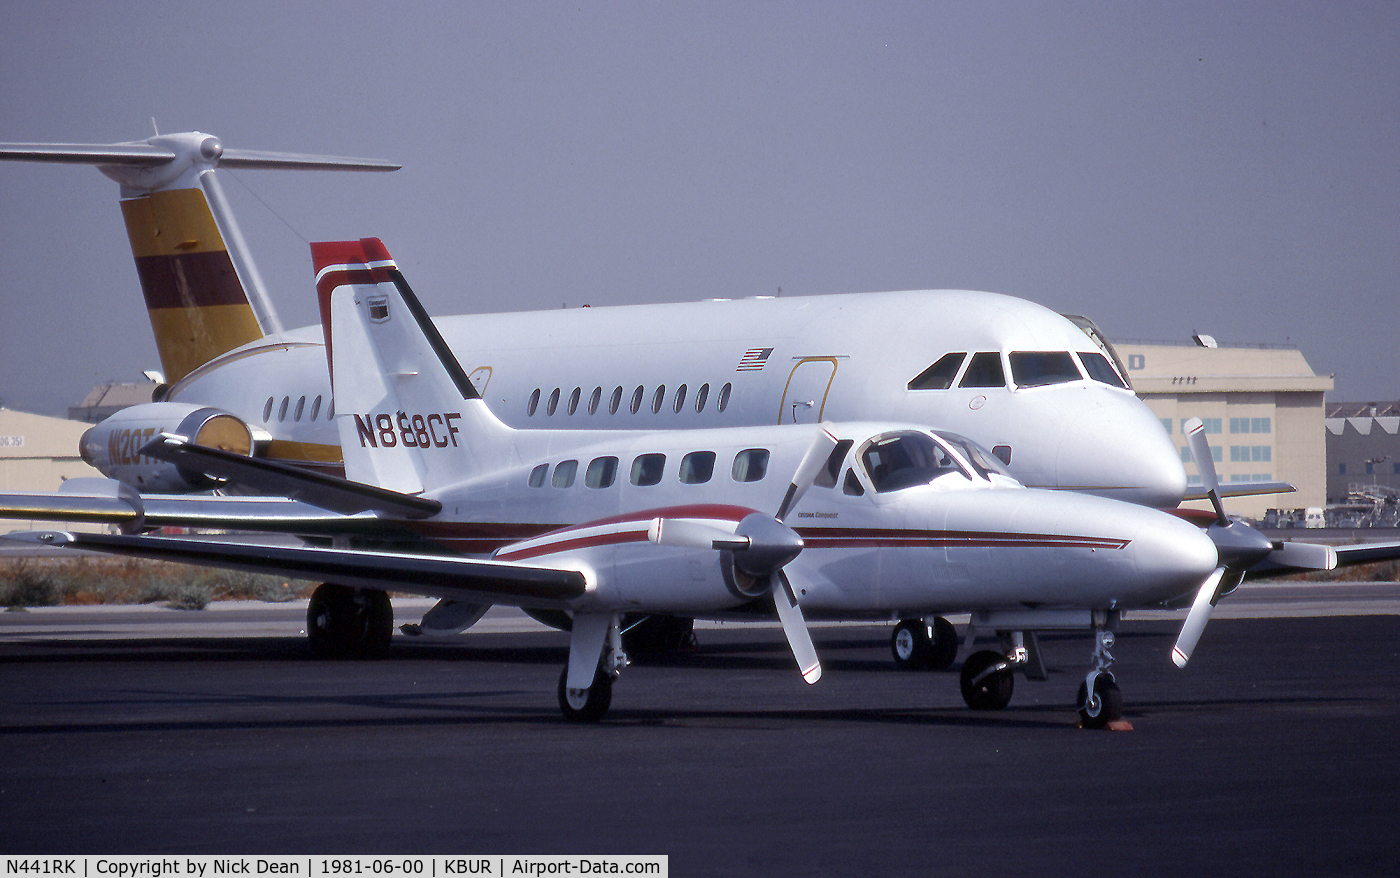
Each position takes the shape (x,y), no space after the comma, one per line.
(143,730)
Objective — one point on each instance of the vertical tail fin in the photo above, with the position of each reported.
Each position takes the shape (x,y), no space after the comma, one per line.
(409,417)
(202,288)
(197,305)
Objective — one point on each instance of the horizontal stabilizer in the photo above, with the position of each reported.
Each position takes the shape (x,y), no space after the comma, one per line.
(294,483)
(158,151)
(464,579)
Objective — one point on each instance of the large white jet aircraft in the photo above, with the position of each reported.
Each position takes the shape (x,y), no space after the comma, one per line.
(843,520)
(1046,396)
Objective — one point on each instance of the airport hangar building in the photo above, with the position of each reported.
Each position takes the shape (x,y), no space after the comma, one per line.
(1262,407)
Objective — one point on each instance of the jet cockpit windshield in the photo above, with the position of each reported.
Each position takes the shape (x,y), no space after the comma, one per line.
(903,459)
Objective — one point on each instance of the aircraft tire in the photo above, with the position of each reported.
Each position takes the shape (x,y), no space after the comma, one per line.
(1110,704)
(910,645)
(993,690)
(585,705)
(348,623)
(943,651)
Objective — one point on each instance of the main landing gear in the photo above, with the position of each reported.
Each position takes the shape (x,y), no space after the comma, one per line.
(929,644)
(988,676)
(588,704)
(349,623)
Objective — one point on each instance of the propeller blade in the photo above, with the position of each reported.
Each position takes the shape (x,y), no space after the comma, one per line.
(1205,464)
(1310,556)
(693,535)
(807,470)
(1197,618)
(795,627)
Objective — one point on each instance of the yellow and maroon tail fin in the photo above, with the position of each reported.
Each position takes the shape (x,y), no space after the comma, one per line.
(197,305)
(202,289)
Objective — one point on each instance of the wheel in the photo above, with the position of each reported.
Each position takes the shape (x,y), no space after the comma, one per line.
(1106,706)
(943,651)
(585,705)
(910,645)
(985,686)
(343,622)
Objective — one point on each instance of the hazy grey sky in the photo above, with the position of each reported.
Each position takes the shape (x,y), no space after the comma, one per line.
(1229,168)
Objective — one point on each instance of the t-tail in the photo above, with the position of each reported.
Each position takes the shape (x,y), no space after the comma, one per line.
(410,419)
(203,291)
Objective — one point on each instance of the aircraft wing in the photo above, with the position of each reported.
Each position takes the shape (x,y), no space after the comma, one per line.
(105,501)
(443,576)
(294,483)
(1240,489)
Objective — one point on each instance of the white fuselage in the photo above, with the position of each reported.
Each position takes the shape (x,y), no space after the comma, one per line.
(756,362)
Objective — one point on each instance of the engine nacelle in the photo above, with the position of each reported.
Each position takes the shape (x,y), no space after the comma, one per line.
(114,446)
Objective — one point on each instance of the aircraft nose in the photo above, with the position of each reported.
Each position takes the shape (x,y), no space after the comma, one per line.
(1120,450)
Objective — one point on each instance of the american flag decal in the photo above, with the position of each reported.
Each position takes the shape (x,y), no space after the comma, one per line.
(753,359)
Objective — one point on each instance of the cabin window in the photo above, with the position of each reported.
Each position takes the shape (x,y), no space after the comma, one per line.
(564,473)
(657,398)
(594,400)
(537,475)
(533,404)
(301,406)
(282,409)
(637,399)
(330,410)
(267,410)
(697,467)
(1043,368)
(616,400)
(602,472)
(315,407)
(984,370)
(553,402)
(940,375)
(647,469)
(1101,370)
(723,397)
(1003,453)
(573,399)
(679,402)
(985,462)
(750,465)
(701,396)
(896,461)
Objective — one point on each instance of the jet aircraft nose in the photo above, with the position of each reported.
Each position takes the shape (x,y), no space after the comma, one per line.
(1119,449)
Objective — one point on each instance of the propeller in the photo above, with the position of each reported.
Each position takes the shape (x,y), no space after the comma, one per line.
(762,545)
(1240,548)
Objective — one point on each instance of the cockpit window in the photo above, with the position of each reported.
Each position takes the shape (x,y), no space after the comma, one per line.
(985,462)
(1101,370)
(940,375)
(1042,368)
(902,460)
(984,371)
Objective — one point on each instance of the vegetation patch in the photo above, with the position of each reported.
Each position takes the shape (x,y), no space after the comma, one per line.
(43,582)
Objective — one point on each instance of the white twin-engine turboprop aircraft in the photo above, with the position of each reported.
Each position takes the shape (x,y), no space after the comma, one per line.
(1045,395)
(843,520)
